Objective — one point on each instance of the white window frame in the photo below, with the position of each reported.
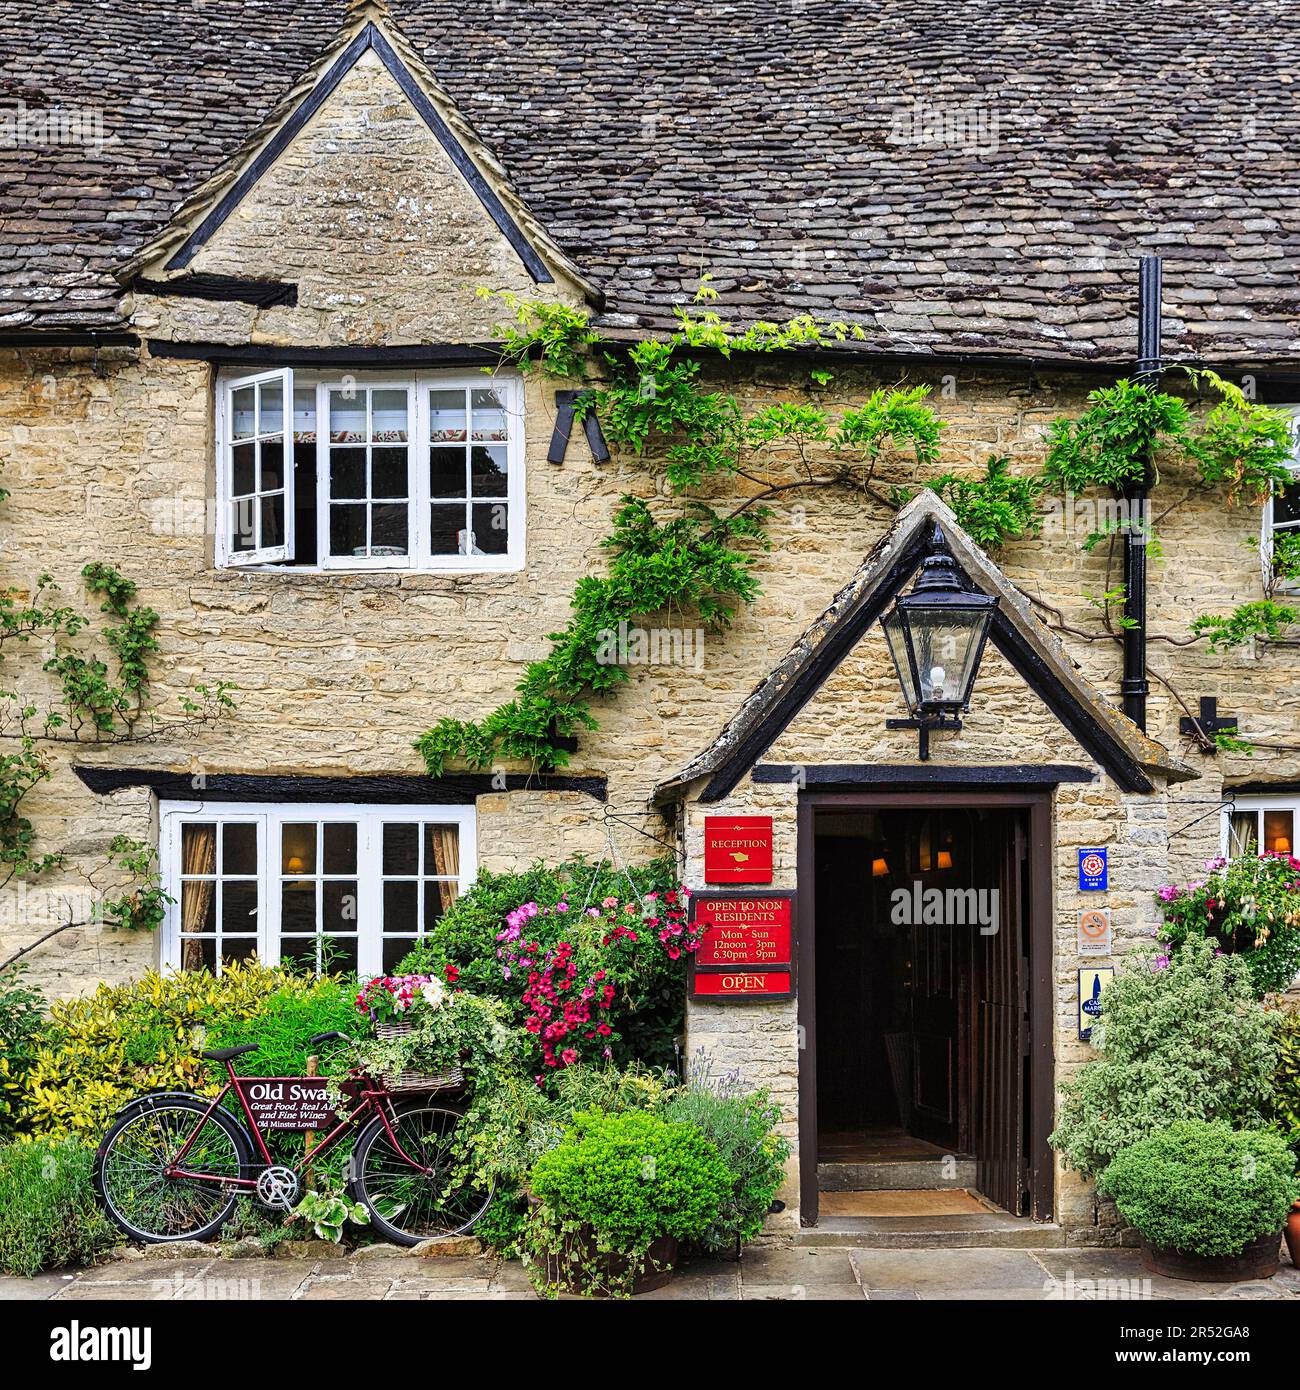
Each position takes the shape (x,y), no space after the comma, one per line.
(420,558)
(263,555)
(1266,522)
(1258,803)
(269,818)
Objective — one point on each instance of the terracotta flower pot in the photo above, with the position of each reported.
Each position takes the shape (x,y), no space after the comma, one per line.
(1293,1234)
(660,1261)
(1257,1261)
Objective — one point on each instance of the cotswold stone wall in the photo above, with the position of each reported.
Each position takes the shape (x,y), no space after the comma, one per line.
(112,458)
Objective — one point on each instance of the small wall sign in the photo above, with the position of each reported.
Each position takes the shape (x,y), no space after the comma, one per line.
(1092,983)
(291,1102)
(747,947)
(738,849)
(744,984)
(1094,931)
(1092,870)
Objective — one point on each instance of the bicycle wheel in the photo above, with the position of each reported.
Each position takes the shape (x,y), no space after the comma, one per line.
(407,1204)
(146,1136)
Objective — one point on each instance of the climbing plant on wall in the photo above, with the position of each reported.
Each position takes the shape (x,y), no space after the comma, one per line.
(97,682)
(655,401)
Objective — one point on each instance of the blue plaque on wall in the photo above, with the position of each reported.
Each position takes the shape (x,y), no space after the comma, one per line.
(1092,870)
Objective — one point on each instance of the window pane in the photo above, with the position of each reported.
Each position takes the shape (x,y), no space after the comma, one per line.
(338,954)
(388,529)
(489,415)
(446,417)
(491,536)
(298,906)
(242,521)
(347,417)
(271,420)
(304,414)
(300,953)
(238,907)
(272,479)
(388,472)
(238,848)
(401,905)
(339,904)
(388,417)
(347,473)
(1286,505)
(242,418)
(238,948)
(401,848)
(199,848)
(348,530)
(340,847)
(273,519)
(243,466)
(1278,838)
(395,947)
(488,469)
(438,897)
(441,850)
(298,848)
(198,952)
(198,907)
(446,472)
(448,526)
(1242,829)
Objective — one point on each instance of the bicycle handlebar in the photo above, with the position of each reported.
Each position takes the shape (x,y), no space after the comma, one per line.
(328,1037)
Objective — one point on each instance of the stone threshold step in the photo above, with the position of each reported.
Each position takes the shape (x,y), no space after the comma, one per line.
(987,1232)
(895,1175)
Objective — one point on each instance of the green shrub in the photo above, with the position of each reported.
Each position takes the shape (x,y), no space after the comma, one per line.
(740,1127)
(645,1013)
(284,1024)
(1204,1189)
(1284,1108)
(1179,1038)
(22,1015)
(624,1180)
(49,1216)
(96,1053)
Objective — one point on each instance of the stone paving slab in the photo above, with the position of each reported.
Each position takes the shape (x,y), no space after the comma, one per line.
(766,1273)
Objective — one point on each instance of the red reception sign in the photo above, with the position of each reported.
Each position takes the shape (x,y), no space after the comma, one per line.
(743,930)
(738,849)
(746,983)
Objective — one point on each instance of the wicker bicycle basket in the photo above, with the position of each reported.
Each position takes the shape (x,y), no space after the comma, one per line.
(404,1082)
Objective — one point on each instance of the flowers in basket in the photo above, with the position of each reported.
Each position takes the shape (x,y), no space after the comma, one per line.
(449,1033)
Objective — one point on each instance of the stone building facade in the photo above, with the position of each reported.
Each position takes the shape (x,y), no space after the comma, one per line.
(369,193)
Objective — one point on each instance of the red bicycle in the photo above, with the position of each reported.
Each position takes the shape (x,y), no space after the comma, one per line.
(173,1164)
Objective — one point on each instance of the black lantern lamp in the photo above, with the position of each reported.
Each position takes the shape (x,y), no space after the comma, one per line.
(936,636)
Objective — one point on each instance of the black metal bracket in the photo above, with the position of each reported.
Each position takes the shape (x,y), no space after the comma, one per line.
(1209,722)
(937,723)
(566,405)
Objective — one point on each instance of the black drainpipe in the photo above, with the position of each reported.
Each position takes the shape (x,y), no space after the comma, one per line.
(1134,686)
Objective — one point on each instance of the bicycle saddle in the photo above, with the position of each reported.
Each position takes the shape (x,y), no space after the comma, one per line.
(226,1054)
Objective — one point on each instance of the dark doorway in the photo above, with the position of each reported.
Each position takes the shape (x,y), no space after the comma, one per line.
(922,942)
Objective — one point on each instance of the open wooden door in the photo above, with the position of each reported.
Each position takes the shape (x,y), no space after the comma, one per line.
(1000,1031)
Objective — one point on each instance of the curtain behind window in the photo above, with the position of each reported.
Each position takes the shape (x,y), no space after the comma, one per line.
(199,856)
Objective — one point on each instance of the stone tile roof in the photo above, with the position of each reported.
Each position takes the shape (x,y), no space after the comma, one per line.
(776,144)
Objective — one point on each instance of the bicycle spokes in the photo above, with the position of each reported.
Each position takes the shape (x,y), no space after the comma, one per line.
(141,1190)
(425,1201)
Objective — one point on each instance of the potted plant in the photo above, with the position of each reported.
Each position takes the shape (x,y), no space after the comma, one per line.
(1208,1201)
(611,1202)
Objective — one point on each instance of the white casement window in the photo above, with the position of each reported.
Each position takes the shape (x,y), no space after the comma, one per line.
(1260,825)
(375,472)
(1282,510)
(322,886)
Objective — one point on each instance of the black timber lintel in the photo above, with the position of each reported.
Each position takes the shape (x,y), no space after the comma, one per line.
(907,776)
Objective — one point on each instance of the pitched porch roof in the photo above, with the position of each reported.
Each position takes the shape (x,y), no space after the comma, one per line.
(1126,753)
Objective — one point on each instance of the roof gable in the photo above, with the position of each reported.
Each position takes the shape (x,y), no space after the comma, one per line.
(1126,753)
(201,218)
